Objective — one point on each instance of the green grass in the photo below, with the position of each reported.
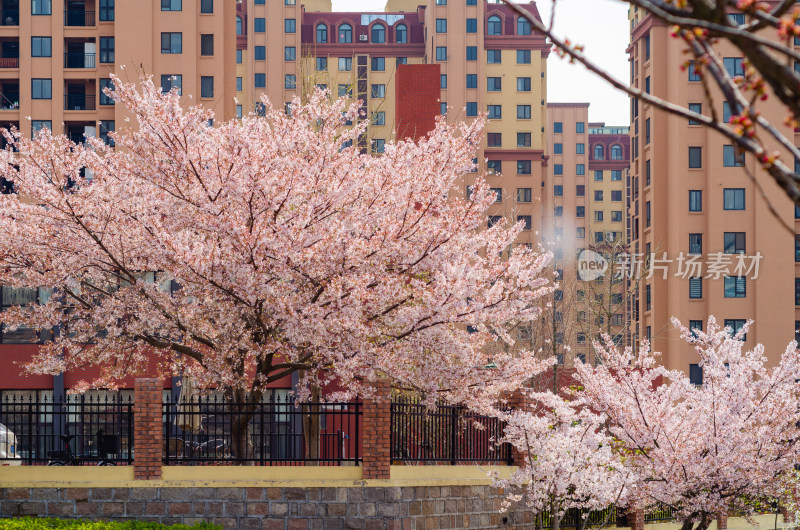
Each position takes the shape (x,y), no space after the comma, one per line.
(32,523)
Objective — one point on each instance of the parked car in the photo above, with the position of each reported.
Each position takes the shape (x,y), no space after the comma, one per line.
(8,448)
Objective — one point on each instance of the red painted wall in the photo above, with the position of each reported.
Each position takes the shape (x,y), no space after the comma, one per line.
(417,101)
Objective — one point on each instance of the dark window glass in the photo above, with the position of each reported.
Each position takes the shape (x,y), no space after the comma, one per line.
(41,47)
(172,42)
(170,81)
(206,86)
(207,44)
(106,49)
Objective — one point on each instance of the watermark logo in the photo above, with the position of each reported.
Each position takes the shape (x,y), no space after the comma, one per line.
(591,265)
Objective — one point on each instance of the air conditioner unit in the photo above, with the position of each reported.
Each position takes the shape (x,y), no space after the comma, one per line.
(362,38)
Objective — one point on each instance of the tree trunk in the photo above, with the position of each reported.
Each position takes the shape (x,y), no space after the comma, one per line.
(555,516)
(242,411)
(688,523)
(311,426)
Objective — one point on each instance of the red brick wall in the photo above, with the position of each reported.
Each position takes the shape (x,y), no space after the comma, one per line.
(147,429)
(375,444)
(417,99)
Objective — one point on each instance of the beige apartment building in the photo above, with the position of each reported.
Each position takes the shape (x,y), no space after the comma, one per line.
(584,202)
(57,56)
(692,201)
(489,60)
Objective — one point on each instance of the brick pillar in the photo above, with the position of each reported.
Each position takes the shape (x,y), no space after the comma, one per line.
(519,401)
(722,521)
(147,429)
(375,443)
(636,519)
(787,516)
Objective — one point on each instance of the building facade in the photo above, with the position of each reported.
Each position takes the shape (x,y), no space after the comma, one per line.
(717,248)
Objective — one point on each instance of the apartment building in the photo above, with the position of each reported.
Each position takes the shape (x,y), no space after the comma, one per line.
(57,56)
(718,249)
(584,202)
(488,59)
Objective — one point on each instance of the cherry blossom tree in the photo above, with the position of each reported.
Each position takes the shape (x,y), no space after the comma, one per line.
(570,460)
(762,31)
(249,250)
(702,449)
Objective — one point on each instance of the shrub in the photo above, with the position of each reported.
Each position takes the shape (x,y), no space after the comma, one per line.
(32,523)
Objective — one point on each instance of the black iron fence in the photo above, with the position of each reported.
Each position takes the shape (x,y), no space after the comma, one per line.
(79,102)
(574,518)
(79,60)
(444,434)
(274,431)
(78,18)
(80,430)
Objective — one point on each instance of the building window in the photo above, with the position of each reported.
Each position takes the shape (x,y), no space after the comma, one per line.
(378,145)
(377,64)
(734,66)
(441,25)
(523,112)
(736,324)
(695,243)
(38,125)
(170,81)
(733,199)
(523,84)
(648,299)
(523,194)
(401,34)
(558,148)
(106,126)
(695,157)
(206,86)
(378,91)
(238,56)
(206,44)
(647,85)
(206,6)
(472,53)
(289,81)
(732,157)
(598,175)
(494,166)
(239,84)
(260,80)
(289,25)
(379,118)
(472,108)
(498,194)
(239,112)
(558,127)
(598,216)
(441,53)
(494,112)
(104,99)
(616,152)
(493,84)
(698,108)
(494,26)
(443,108)
(696,374)
(526,222)
(472,80)
(647,47)
(558,169)
(523,139)
(400,60)
(580,190)
(580,169)
(345,64)
(523,167)
(647,131)
(694,75)
(523,26)
(106,10)
(647,212)
(442,81)
(494,140)
(472,25)
(579,127)
(170,5)
(523,57)
(239,27)
(378,34)
(41,88)
(322,33)
(289,53)
(735,287)
(616,195)
(579,149)
(345,34)
(345,91)
(558,190)
(493,220)
(493,56)
(616,216)
(260,53)
(172,42)
(695,200)
(580,211)
(734,242)
(42,47)
(580,232)
(598,195)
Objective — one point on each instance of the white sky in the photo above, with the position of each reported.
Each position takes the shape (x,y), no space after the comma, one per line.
(601,26)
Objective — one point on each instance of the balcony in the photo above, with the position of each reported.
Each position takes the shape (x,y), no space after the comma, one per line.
(79,60)
(78,131)
(9,53)
(79,102)
(9,95)
(9,17)
(78,18)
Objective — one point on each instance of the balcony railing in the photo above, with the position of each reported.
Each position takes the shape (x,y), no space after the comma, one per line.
(79,102)
(9,62)
(79,18)
(9,17)
(79,60)
(9,102)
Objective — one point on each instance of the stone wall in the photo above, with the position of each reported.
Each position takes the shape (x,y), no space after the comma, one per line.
(270,508)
